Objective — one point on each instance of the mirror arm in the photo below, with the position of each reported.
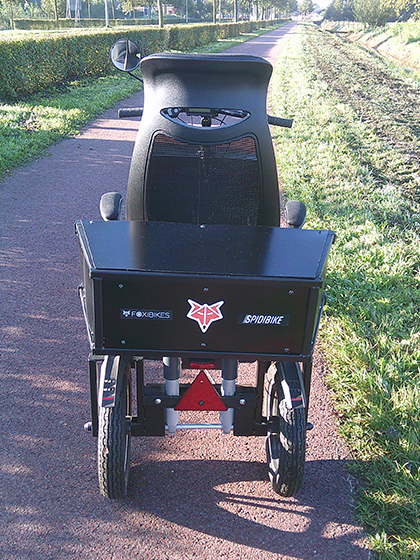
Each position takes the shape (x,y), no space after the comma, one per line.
(134,76)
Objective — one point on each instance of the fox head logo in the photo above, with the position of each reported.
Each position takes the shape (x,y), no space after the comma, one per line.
(205,314)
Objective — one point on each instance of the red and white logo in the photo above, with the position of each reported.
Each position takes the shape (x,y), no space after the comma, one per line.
(205,314)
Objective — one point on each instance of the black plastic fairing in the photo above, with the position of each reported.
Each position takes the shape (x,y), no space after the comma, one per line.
(207,81)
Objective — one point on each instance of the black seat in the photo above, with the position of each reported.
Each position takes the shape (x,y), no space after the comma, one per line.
(204,153)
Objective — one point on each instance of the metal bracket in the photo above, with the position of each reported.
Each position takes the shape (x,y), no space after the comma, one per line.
(292,384)
(82,295)
(108,381)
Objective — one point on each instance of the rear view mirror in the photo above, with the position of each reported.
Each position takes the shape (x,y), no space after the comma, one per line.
(125,55)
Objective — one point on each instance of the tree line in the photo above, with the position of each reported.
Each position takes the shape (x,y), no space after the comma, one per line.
(374,13)
(194,10)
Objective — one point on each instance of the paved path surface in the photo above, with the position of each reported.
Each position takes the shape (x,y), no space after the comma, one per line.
(193,495)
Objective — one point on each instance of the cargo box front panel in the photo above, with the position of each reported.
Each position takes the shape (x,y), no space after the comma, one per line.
(193,316)
(156,289)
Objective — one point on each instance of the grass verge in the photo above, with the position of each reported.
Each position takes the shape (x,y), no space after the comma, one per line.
(29,127)
(352,157)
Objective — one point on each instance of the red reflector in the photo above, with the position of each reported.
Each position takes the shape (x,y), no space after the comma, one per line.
(201,395)
(202,365)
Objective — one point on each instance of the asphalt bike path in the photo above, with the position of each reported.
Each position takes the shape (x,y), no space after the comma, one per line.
(194,495)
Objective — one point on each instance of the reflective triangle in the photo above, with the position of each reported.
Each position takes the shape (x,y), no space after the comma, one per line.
(201,395)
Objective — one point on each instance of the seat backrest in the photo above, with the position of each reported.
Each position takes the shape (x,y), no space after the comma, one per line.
(204,152)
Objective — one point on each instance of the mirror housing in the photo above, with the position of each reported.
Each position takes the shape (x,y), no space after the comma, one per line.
(125,55)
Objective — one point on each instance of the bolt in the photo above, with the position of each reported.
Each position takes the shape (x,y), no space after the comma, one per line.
(242,402)
(158,401)
(121,286)
(203,344)
(286,350)
(122,341)
(88,427)
(291,292)
(205,289)
(201,403)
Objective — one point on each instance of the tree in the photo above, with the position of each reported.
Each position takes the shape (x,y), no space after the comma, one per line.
(160,12)
(9,10)
(54,8)
(374,13)
(340,10)
(405,9)
(128,6)
(284,7)
(265,6)
(306,6)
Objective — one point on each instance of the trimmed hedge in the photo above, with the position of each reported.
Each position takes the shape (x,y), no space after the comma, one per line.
(30,65)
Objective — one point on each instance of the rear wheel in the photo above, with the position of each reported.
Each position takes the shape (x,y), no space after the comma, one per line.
(286,441)
(114,438)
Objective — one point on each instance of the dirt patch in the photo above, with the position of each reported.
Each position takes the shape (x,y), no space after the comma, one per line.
(386,103)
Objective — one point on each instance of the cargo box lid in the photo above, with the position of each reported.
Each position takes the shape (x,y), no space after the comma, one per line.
(155,247)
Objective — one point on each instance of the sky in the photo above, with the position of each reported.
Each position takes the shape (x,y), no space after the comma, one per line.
(323,3)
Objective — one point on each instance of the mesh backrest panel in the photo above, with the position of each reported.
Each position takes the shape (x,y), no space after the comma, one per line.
(204,184)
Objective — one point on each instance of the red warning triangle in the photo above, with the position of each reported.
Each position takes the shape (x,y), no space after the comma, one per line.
(201,395)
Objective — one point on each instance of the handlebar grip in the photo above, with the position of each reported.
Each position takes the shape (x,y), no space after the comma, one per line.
(130,112)
(277,121)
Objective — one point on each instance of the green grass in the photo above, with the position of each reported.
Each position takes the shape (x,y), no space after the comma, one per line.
(29,127)
(407,31)
(352,157)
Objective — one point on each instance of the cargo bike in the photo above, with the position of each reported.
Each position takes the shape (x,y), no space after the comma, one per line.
(200,275)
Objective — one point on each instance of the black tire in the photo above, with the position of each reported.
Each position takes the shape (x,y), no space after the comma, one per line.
(114,438)
(285,446)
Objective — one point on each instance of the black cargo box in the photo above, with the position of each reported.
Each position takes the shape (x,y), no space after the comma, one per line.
(162,289)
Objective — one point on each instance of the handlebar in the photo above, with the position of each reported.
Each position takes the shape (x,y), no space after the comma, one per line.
(127,112)
(277,121)
(130,112)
